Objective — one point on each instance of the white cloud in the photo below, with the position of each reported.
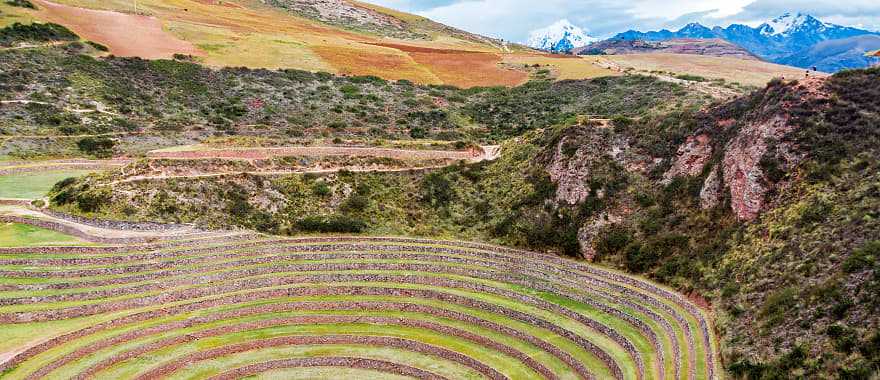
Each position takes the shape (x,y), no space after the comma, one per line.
(652,9)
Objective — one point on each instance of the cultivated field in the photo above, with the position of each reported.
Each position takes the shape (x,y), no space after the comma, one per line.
(226,305)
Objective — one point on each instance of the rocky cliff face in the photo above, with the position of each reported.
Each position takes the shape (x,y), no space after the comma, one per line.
(692,156)
(752,143)
(742,169)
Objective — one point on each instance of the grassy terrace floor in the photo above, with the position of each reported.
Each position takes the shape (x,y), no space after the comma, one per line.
(371,307)
(33,185)
(23,235)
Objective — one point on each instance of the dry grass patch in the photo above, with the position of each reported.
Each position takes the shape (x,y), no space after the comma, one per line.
(387,63)
(747,72)
(565,67)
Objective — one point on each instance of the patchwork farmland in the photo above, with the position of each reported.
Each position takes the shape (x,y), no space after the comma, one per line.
(172,301)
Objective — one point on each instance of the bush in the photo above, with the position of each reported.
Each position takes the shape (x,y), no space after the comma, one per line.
(36,32)
(418,133)
(691,78)
(320,189)
(329,224)
(639,259)
(355,203)
(91,201)
(97,46)
(613,240)
(437,190)
(101,147)
(862,258)
(21,3)
(777,305)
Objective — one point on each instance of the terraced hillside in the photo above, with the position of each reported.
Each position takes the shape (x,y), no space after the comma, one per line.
(231,304)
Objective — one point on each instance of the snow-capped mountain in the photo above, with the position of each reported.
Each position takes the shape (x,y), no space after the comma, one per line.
(784,24)
(560,37)
(777,40)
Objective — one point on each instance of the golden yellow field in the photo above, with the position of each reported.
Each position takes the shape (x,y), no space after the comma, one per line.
(746,72)
(564,67)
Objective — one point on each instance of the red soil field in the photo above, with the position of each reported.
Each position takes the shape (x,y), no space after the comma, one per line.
(126,35)
(462,68)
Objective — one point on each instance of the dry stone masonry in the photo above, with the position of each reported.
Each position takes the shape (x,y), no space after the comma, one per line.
(160,309)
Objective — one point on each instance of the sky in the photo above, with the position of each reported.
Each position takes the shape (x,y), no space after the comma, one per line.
(514,19)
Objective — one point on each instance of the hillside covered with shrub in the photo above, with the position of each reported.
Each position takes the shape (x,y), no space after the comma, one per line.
(137,105)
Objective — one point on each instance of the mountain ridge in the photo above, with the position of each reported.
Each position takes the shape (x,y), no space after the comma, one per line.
(776,40)
(560,37)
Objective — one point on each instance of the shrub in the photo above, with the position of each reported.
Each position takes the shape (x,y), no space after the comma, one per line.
(35,33)
(21,3)
(613,240)
(815,212)
(97,46)
(418,133)
(862,258)
(355,203)
(691,78)
(96,146)
(437,190)
(349,90)
(639,259)
(321,189)
(337,125)
(329,224)
(91,201)
(777,305)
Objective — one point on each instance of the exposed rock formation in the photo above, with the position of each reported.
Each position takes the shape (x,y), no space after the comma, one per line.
(691,157)
(590,230)
(710,194)
(742,170)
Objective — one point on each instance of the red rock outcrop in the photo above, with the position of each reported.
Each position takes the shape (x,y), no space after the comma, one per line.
(742,170)
(710,194)
(692,156)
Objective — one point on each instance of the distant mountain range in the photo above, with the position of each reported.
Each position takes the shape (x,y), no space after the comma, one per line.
(697,46)
(560,37)
(791,39)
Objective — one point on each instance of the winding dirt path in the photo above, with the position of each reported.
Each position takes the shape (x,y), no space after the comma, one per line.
(485,153)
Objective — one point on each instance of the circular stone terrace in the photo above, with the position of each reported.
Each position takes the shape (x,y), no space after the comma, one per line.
(225,305)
